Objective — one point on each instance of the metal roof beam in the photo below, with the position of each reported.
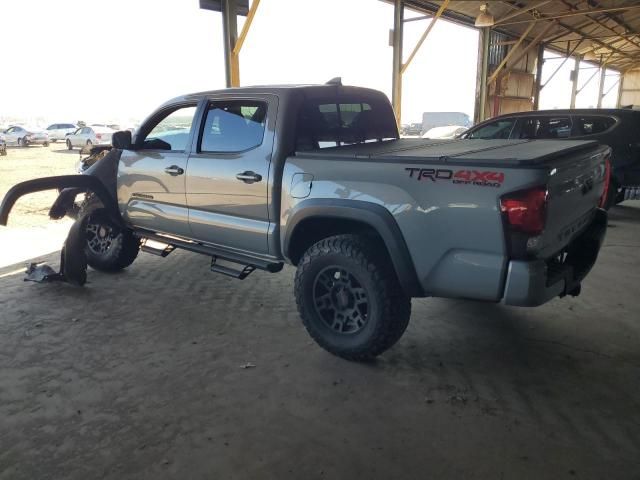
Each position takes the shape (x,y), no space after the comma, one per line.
(570,13)
(511,52)
(520,11)
(432,23)
(623,37)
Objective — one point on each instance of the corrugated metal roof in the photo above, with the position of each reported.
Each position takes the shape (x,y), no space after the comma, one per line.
(603,31)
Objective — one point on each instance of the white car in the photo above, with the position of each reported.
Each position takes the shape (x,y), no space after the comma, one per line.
(58,131)
(447,131)
(25,136)
(88,136)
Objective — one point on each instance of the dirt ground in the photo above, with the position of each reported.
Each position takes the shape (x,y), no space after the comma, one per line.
(30,231)
(141,375)
(35,161)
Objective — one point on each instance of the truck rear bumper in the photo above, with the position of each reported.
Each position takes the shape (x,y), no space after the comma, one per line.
(532,283)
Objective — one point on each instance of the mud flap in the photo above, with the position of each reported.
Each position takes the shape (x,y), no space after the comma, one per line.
(73,259)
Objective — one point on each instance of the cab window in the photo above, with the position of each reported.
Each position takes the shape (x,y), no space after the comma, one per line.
(334,122)
(172,131)
(500,129)
(233,126)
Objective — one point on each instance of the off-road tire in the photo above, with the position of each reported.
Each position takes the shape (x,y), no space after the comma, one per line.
(388,308)
(124,246)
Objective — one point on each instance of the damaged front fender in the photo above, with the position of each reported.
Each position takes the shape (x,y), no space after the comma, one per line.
(87,183)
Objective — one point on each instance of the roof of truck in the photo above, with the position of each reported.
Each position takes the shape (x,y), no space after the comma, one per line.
(281,90)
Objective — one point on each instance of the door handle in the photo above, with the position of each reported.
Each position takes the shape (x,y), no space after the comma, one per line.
(174,170)
(249,177)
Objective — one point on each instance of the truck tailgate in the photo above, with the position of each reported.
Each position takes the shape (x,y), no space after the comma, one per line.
(575,187)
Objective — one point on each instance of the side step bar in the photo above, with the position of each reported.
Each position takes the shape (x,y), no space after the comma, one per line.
(220,257)
(230,269)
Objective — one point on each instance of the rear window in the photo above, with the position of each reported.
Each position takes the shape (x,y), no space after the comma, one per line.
(336,122)
(589,125)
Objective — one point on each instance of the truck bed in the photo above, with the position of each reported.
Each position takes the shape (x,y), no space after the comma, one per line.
(515,153)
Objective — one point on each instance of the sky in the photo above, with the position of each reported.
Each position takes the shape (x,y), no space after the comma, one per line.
(117,61)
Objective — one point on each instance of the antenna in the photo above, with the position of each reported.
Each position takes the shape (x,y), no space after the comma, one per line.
(335,81)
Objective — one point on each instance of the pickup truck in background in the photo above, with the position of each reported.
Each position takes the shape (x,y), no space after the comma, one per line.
(317,177)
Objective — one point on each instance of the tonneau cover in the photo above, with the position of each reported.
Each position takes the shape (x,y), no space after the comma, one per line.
(504,152)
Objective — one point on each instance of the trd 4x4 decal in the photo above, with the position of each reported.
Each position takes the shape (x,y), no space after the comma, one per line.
(464,177)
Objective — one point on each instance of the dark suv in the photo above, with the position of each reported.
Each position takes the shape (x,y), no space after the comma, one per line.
(617,128)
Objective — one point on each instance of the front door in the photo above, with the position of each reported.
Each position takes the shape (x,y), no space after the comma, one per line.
(228,174)
(151,185)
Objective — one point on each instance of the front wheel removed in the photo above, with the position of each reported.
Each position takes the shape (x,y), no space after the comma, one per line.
(349,297)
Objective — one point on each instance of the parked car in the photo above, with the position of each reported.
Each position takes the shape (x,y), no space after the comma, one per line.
(58,131)
(89,136)
(448,131)
(3,147)
(412,129)
(440,119)
(317,177)
(618,128)
(25,136)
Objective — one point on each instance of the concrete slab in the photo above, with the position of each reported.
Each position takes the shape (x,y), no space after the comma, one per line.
(139,375)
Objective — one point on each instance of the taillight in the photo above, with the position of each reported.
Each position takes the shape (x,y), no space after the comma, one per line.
(525,211)
(99,136)
(607,182)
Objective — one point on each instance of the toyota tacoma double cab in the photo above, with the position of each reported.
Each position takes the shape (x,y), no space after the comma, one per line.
(318,177)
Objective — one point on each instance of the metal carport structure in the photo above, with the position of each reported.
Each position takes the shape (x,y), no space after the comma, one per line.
(513,38)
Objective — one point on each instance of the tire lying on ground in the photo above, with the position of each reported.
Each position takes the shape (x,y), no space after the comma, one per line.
(109,248)
(349,297)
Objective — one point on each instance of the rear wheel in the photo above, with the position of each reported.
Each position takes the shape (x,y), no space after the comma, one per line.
(69,146)
(89,144)
(22,142)
(109,248)
(45,144)
(349,297)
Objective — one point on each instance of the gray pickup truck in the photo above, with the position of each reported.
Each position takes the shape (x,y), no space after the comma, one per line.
(317,177)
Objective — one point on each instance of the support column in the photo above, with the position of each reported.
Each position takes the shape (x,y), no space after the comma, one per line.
(603,74)
(481,76)
(397,36)
(230,37)
(620,89)
(574,81)
(538,85)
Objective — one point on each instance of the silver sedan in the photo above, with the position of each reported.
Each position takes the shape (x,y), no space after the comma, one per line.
(25,136)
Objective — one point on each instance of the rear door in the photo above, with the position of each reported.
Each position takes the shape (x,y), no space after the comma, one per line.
(73,138)
(81,137)
(151,188)
(228,173)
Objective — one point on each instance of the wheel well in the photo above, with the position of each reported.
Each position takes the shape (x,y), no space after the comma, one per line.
(312,230)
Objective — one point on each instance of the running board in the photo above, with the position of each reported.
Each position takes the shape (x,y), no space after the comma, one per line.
(228,268)
(247,263)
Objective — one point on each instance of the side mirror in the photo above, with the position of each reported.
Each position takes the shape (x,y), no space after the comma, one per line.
(121,140)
